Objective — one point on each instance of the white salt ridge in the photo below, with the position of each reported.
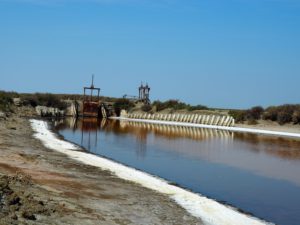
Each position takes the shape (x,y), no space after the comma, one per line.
(236,129)
(208,210)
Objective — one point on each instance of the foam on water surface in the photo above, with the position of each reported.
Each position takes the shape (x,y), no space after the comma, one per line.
(209,211)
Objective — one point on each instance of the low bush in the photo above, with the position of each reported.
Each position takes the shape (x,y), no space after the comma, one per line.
(122,103)
(271,113)
(159,105)
(238,115)
(49,100)
(254,113)
(284,117)
(146,108)
(176,105)
(197,107)
(296,116)
(170,104)
(5,101)
(283,114)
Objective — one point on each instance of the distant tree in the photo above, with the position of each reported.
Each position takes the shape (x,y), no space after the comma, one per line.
(271,113)
(285,114)
(254,113)
(282,114)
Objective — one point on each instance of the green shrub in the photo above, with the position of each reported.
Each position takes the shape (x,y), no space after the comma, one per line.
(197,107)
(238,115)
(283,114)
(5,101)
(296,116)
(271,113)
(250,115)
(146,108)
(284,117)
(176,105)
(122,103)
(254,113)
(30,100)
(159,105)
(170,104)
(49,100)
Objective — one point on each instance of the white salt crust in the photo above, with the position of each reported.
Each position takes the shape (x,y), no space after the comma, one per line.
(208,210)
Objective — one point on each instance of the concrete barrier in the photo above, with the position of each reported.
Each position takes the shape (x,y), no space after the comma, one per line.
(44,111)
(196,119)
(222,120)
(199,119)
(185,118)
(214,120)
(166,117)
(226,120)
(192,118)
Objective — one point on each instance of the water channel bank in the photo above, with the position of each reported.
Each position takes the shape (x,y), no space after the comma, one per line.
(255,173)
(65,191)
(207,210)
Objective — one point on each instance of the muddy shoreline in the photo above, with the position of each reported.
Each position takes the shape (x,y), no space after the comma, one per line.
(41,186)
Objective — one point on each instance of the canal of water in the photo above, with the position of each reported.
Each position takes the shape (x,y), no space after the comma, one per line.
(257,174)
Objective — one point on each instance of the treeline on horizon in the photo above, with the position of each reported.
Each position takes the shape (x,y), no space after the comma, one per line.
(156,106)
(41,99)
(283,114)
(288,113)
(33,100)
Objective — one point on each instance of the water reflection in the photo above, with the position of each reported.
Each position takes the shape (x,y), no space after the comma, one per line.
(142,129)
(264,155)
(259,174)
(277,146)
(286,148)
(90,127)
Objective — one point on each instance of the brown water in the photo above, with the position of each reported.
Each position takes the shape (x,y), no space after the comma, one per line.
(257,174)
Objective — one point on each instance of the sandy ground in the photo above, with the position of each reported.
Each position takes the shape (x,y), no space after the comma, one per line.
(40,186)
(273,126)
(262,124)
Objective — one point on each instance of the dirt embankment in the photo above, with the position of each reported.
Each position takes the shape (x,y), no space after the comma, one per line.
(18,204)
(40,186)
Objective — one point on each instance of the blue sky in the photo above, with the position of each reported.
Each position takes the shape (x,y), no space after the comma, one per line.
(220,53)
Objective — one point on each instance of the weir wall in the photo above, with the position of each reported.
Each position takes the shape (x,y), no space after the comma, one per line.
(216,120)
